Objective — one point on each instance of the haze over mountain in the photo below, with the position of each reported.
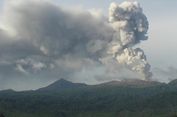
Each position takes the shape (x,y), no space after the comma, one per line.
(99,64)
(82,45)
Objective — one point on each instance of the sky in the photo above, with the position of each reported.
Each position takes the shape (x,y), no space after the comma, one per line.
(36,48)
(161,49)
(161,46)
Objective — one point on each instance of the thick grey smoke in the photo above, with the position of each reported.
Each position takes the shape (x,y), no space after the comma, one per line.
(40,40)
(131,26)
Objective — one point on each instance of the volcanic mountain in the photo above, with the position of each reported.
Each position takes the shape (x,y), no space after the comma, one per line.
(62,84)
(127,98)
(132,83)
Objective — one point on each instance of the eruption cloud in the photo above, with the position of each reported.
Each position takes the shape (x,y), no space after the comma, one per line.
(41,40)
(131,26)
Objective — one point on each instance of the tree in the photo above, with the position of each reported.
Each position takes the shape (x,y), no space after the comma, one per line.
(1,115)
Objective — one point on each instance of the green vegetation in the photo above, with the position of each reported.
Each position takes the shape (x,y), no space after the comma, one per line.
(92,101)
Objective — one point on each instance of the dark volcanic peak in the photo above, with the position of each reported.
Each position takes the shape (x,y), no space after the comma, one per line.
(61,84)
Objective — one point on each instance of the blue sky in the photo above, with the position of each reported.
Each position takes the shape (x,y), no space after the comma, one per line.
(161,47)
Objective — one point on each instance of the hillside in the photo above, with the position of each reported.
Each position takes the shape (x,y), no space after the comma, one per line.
(132,98)
(61,85)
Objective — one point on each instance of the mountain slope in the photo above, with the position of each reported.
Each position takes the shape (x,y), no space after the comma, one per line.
(61,85)
(173,82)
(134,83)
(67,99)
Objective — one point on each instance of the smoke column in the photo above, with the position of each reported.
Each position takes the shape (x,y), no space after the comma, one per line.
(41,41)
(131,26)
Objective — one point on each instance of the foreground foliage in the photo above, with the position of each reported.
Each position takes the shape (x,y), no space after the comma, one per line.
(92,101)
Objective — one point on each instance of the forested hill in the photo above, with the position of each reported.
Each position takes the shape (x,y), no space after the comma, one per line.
(127,98)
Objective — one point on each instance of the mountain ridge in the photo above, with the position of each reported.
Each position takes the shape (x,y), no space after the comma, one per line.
(132,83)
(63,84)
(67,99)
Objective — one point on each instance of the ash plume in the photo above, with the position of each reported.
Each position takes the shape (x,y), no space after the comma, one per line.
(41,40)
(131,26)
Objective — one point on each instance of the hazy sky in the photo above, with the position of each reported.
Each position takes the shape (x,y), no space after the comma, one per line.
(32,60)
(161,47)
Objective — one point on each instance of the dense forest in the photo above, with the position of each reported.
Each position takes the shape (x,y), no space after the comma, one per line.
(113,99)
